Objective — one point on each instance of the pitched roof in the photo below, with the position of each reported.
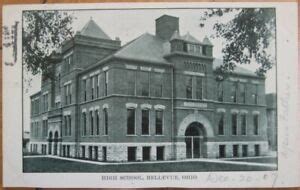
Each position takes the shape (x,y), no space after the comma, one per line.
(207,41)
(237,69)
(189,38)
(149,48)
(91,29)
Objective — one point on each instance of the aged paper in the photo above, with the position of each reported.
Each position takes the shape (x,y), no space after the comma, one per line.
(150,95)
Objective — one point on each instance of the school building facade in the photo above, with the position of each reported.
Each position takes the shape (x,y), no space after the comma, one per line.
(157,97)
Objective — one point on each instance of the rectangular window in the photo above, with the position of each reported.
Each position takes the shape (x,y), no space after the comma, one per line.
(234,124)
(256,150)
(222,151)
(255,124)
(199,88)
(90,152)
(84,90)
(189,87)
(158,122)
(96,152)
(160,153)
(242,93)
(104,153)
(97,122)
(131,82)
(70,125)
(234,92)
(243,124)
(146,153)
(131,153)
(144,83)
(221,125)
(66,126)
(83,151)
(105,83)
(255,94)
(244,150)
(235,150)
(145,122)
(98,86)
(84,123)
(92,87)
(91,123)
(157,79)
(130,121)
(105,121)
(220,92)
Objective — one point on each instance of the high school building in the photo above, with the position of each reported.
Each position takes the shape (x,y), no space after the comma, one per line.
(157,97)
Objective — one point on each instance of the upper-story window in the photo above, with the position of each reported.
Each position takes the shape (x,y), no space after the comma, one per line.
(242,89)
(194,48)
(243,124)
(158,122)
(45,128)
(131,78)
(199,87)
(91,123)
(221,125)
(68,94)
(255,124)
(92,85)
(145,122)
(130,121)
(157,84)
(105,83)
(255,94)
(105,117)
(84,130)
(97,122)
(84,87)
(234,124)
(45,102)
(220,92)
(68,61)
(144,83)
(234,87)
(98,85)
(189,87)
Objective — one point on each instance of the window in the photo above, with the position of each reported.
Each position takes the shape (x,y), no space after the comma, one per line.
(104,153)
(68,95)
(158,122)
(189,87)
(157,84)
(131,82)
(45,128)
(105,83)
(92,79)
(199,88)
(146,153)
(222,151)
(84,123)
(256,150)
(131,153)
(97,122)
(68,62)
(221,125)
(233,92)
(96,152)
(83,151)
(145,122)
(255,94)
(144,83)
(204,50)
(130,121)
(91,123)
(160,153)
(255,124)
(242,93)
(220,92)
(235,150)
(105,121)
(243,124)
(70,125)
(244,150)
(45,102)
(84,90)
(98,86)
(234,123)
(66,126)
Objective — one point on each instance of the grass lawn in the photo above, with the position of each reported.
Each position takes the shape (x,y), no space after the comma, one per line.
(267,160)
(42,164)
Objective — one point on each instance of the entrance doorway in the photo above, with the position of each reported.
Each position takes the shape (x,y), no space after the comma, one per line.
(194,138)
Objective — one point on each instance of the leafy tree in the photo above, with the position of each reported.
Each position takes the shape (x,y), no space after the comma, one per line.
(249,36)
(43,34)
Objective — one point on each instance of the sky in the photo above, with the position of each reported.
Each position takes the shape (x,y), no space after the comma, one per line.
(129,24)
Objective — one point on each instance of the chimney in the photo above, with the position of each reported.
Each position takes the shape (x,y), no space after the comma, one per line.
(166,26)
